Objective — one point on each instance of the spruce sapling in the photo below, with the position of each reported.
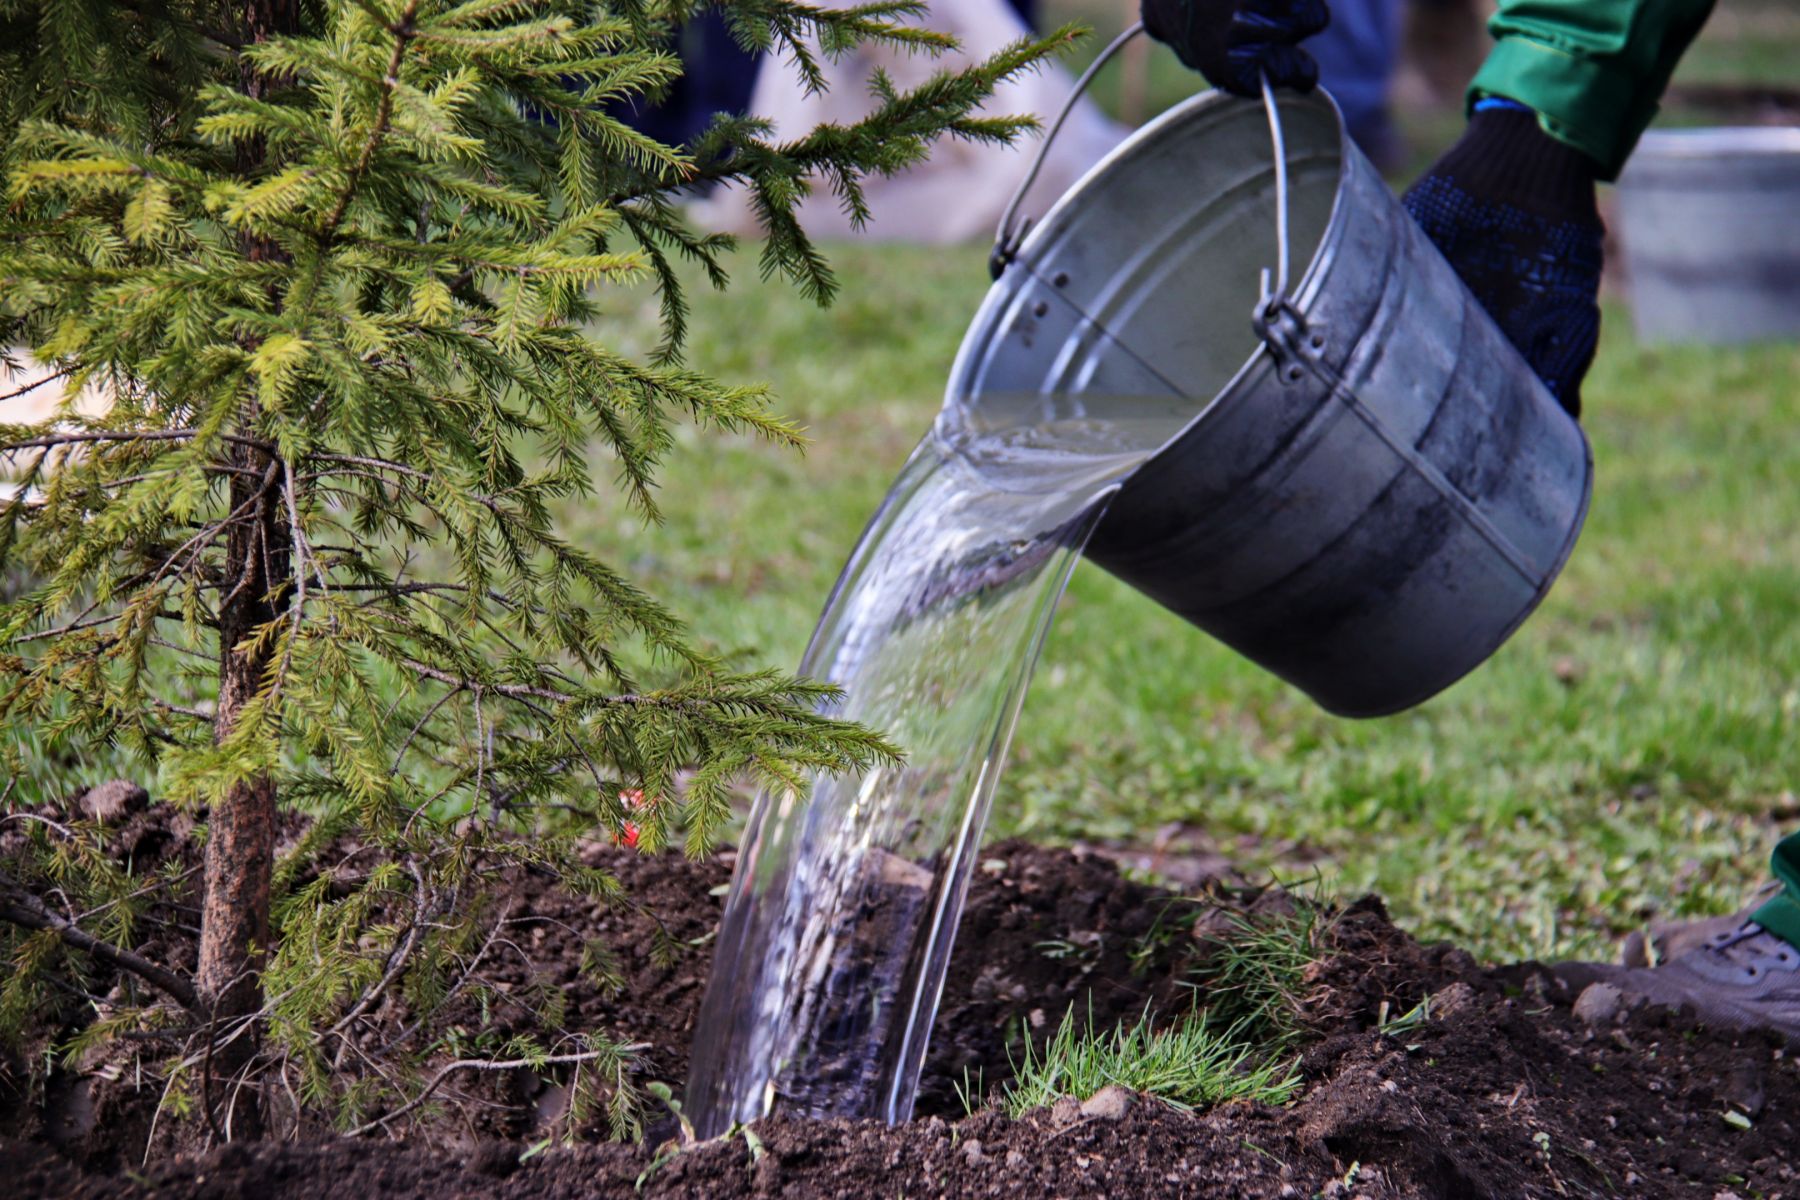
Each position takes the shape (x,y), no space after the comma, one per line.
(333,264)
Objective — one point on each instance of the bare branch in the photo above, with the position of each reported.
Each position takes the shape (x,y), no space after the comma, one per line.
(455,988)
(34,386)
(518,691)
(398,958)
(144,435)
(179,711)
(27,912)
(481,1064)
(510,690)
(382,464)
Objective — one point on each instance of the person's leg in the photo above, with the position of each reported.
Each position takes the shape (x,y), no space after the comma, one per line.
(1357,53)
(717,76)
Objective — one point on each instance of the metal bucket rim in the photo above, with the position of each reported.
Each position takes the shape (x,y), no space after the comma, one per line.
(1301,293)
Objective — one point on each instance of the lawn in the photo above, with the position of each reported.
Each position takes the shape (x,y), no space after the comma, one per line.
(1631,752)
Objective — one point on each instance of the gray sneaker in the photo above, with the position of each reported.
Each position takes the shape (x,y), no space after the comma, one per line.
(1665,940)
(1742,978)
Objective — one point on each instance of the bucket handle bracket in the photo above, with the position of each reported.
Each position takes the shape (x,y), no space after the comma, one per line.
(1297,345)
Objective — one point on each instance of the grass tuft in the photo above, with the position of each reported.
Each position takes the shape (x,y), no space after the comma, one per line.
(1186,1065)
(1256,979)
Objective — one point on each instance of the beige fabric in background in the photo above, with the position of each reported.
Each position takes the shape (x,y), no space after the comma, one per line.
(958,194)
(25,404)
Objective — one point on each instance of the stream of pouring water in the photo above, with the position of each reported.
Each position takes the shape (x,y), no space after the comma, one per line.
(837,930)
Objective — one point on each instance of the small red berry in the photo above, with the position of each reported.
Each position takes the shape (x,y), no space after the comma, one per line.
(632,799)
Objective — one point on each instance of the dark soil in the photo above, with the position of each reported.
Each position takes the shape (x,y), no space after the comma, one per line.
(1500,1092)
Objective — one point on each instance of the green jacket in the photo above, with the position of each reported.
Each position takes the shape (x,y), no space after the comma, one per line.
(1593,69)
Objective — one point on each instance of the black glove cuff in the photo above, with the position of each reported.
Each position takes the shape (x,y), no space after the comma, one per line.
(1505,158)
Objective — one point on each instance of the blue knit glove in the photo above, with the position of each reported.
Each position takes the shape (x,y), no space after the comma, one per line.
(1513,210)
(1235,42)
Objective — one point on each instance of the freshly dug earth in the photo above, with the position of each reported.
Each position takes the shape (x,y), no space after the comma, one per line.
(1500,1091)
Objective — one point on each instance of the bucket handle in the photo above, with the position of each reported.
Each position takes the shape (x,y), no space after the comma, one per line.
(1269,301)
(1007,237)
(1012,230)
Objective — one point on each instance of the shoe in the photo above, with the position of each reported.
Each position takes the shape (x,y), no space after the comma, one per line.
(1665,940)
(1743,978)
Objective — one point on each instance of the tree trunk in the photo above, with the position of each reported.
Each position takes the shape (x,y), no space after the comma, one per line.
(240,846)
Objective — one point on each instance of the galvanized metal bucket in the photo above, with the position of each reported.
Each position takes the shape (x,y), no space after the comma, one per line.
(1712,244)
(1374,489)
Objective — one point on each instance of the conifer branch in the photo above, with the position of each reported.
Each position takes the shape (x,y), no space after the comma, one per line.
(74,438)
(510,690)
(403,31)
(38,383)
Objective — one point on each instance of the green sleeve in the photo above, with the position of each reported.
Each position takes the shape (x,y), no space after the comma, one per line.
(1781,915)
(1593,69)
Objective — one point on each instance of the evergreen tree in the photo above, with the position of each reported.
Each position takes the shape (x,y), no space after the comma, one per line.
(334,264)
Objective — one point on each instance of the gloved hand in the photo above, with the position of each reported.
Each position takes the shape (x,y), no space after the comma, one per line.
(1234,42)
(1513,210)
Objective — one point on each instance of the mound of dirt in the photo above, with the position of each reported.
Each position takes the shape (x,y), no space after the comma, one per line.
(1493,1088)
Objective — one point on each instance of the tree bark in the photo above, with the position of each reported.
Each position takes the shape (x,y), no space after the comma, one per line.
(240,846)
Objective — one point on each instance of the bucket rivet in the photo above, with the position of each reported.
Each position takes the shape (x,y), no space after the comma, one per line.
(1318,341)
(1062,279)
(1293,373)
(1040,309)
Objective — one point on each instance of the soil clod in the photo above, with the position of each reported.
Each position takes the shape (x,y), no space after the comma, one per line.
(1599,1004)
(113,801)
(1110,1103)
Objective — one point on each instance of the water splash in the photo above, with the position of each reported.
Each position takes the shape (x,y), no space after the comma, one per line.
(837,930)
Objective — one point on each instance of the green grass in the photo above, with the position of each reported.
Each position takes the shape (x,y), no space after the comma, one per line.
(1746,43)
(1186,1065)
(1631,752)
(1239,1038)
(1254,979)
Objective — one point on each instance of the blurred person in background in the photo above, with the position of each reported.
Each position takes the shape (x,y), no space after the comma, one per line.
(718,76)
(956,196)
(1357,53)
